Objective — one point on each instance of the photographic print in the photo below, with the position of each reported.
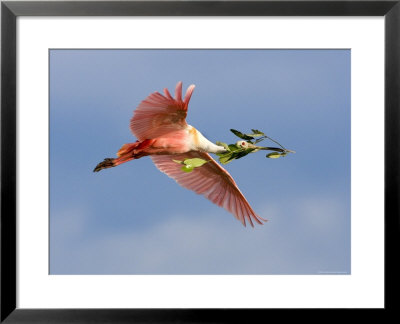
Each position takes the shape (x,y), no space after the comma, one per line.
(254,152)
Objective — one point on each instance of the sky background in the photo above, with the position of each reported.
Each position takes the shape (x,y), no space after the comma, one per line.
(133,219)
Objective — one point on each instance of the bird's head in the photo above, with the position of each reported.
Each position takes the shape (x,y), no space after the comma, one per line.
(242,144)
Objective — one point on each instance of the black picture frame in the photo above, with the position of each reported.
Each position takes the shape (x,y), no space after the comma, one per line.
(10,10)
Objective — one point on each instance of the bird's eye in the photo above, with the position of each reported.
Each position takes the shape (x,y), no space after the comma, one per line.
(243,143)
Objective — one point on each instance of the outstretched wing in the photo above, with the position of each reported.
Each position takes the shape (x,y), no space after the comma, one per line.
(158,115)
(210,180)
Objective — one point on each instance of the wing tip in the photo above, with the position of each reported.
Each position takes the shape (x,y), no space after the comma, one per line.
(251,218)
(167,94)
(178,91)
(188,94)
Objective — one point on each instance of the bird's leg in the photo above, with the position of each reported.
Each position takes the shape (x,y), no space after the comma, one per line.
(110,162)
(107,163)
(126,153)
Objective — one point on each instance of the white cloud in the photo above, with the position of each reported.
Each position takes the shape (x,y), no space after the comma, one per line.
(293,241)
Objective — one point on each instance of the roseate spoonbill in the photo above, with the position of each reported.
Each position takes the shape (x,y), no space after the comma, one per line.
(162,132)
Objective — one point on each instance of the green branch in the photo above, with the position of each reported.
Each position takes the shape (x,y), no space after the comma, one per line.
(247,145)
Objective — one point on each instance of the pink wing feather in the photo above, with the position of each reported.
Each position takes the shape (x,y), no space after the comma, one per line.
(210,180)
(158,115)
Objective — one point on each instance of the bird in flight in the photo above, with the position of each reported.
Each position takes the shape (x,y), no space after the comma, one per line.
(159,124)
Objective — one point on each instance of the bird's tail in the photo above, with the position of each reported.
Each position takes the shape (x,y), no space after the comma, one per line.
(127,152)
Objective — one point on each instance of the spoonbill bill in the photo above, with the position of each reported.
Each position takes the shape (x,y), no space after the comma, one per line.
(159,124)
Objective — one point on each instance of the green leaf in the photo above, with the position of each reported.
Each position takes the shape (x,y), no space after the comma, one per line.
(226,159)
(241,135)
(233,148)
(196,162)
(256,132)
(273,155)
(177,161)
(224,145)
(239,155)
(187,168)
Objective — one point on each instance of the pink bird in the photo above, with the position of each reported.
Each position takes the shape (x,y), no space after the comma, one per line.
(159,123)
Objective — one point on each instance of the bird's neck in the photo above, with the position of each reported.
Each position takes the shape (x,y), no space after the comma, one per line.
(201,143)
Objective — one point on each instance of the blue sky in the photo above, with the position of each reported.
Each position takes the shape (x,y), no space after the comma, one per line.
(133,219)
